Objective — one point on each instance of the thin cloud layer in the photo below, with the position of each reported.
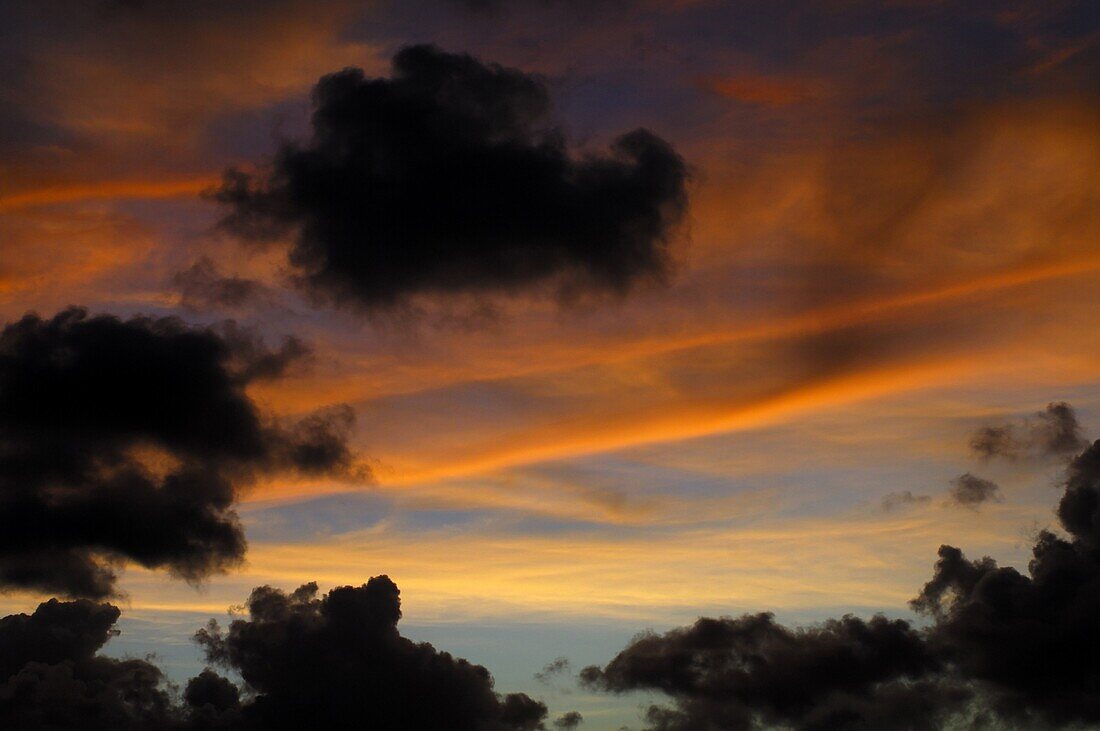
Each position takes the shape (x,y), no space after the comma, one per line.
(445,178)
(1003,646)
(128,440)
(903,499)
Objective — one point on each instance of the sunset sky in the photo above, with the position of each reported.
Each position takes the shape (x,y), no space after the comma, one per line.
(860,233)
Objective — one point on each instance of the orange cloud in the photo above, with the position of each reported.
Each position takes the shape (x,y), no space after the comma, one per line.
(107,190)
(857,559)
(766,90)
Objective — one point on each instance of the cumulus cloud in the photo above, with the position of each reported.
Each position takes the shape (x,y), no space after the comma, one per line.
(734,673)
(446,178)
(971,491)
(50,676)
(338,660)
(213,701)
(1053,432)
(569,720)
(1003,645)
(307,661)
(128,440)
(1029,637)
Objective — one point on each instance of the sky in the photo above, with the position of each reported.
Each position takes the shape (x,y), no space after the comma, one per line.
(575,321)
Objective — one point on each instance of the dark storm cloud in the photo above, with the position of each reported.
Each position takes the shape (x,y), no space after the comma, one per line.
(127,440)
(1054,432)
(731,673)
(444,178)
(201,287)
(971,491)
(1003,646)
(51,678)
(338,661)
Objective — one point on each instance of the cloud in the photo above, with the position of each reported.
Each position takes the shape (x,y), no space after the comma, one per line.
(338,660)
(1029,637)
(904,499)
(201,287)
(214,701)
(128,441)
(767,91)
(557,666)
(572,719)
(731,673)
(1052,433)
(445,179)
(1002,645)
(971,491)
(50,676)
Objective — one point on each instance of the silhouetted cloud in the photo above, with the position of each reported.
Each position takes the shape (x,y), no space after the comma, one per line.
(51,678)
(903,499)
(732,673)
(1054,432)
(335,661)
(557,666)
(201,287)
(213,701)
(971,491)
(572,719)
(1029,638)
(338,661)
(1003,645)
(445,178)
(127,440)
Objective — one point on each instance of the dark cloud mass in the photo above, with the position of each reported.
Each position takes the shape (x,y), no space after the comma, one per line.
(732,673)
(444,179)
(127,440)
(51,678)
(1053,432)
(572,719)
(335,661)
(1004,648)
(338,661)
(1031,638)
(971,491)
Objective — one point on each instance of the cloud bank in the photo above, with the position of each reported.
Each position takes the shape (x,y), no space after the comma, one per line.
(1003,646)
(339,660)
